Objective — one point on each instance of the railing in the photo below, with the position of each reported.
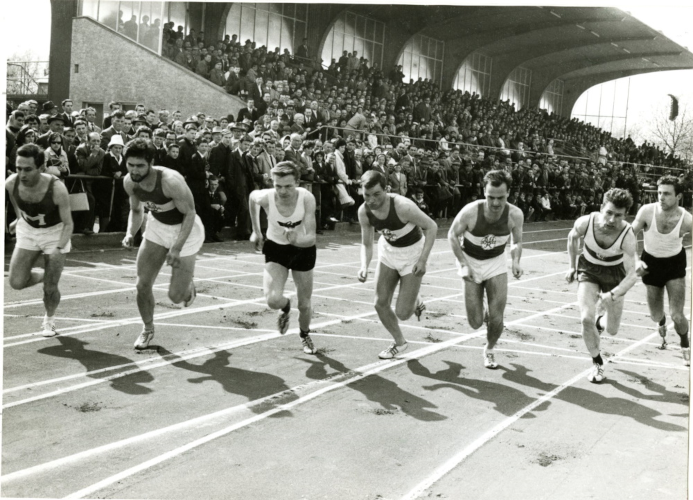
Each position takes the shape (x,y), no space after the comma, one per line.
(85,177)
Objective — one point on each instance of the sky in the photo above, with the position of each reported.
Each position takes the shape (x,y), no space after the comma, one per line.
(671,17)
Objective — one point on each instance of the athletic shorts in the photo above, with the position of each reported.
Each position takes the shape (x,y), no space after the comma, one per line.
(166,235)
(607,277)
(664,269)
(400,259)
(42,239)
(485,269)
(290,256)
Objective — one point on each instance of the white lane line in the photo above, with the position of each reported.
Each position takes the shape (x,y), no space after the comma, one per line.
(32,302)
(364,372)
(463,454)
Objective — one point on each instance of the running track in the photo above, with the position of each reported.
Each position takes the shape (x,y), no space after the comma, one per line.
(224,407)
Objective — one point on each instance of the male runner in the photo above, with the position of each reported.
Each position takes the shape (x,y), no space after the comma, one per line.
(478,237)
(290,245)
(663,261)
(403,251)
(605,270)
(43,225)
(173,233)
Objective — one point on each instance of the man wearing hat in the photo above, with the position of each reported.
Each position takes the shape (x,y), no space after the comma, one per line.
(216,137)
(56,124)
(238,130)
(49,107)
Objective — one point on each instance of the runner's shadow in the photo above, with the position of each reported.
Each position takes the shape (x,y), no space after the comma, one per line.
(74,348)
(593,400)
(378,389)
(664,396)
(250,384)
(507,400)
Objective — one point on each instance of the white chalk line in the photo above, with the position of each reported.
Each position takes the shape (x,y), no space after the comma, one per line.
(459,457)
(367,371)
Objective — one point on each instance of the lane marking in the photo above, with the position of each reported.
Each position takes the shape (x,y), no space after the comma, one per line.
(463,454)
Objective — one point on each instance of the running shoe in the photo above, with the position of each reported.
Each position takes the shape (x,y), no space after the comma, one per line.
(283,320)
(193,294)
(308,346)
(597,374)
(420,308)
(489,359)
(598,325)
(144,339)
(662,329)
(48,329)
(686,351)
(393,350)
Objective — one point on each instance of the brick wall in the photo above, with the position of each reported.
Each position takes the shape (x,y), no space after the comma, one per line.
(114,68)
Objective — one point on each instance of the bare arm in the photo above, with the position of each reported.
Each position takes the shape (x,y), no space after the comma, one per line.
(630,261)
(459,226)
(135,216)
(574,237)
(62,201)
(9,186)
(517,220)
(174,186)
(257,200)
(407,211)
(367,233)
(640,222)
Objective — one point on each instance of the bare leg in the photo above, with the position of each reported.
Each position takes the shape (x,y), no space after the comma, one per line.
(55,264)
(274,279)
(676,290)
(21,273)
(408,297)
(304,291)
(588,294)
(474,303)
(497,293)
(385,283)
(150,258)
(179,289)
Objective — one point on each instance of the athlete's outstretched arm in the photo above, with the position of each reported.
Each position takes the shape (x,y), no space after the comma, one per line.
(62,200)
(254,206)
(409,212)
(367,234)
(135,216)
(517,219)
(574,237)
(459,226)
(640,224)
(175,187)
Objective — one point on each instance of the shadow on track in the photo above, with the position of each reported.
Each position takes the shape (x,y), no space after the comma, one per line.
(74,348)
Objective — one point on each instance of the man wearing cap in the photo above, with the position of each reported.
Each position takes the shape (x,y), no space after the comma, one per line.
(50,108)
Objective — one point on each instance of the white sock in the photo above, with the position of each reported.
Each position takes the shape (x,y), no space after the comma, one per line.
(49,319)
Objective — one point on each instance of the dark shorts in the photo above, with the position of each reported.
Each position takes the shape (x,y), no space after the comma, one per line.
(289,256)
(664,269)
(607,277)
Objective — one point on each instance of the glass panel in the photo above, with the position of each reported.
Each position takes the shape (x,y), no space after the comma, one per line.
(108,13)
(263,6)
(261,22)
(327,49)
(337,46)
(275,28)
(416,45)
(247,24)
(287,41)
(368,52)
(406,65)
(348,43)
(358,47)
(379,32)
(360,27)
(276,8)
(289,9)
(349,23)
(339,24)
(378,54)
(153,10)
(300,34)
(177,11)
(301,12)
(370,29)
(90,8)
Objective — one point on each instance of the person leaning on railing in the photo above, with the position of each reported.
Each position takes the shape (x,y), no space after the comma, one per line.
(90,161)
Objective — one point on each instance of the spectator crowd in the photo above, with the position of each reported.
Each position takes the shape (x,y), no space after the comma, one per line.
(433,145)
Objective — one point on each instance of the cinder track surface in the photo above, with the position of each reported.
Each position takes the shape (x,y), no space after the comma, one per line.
(224,407)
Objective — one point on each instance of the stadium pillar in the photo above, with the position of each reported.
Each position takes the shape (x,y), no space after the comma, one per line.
(59,61)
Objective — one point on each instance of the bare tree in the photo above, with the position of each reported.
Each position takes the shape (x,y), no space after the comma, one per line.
(674,136)
(24,72)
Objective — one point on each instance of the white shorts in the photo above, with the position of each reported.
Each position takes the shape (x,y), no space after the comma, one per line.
(401,259)
(41,239)
(484,269)
(166,235)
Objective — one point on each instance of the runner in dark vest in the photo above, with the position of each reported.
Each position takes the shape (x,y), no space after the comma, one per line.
(173,234)
(44,225)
